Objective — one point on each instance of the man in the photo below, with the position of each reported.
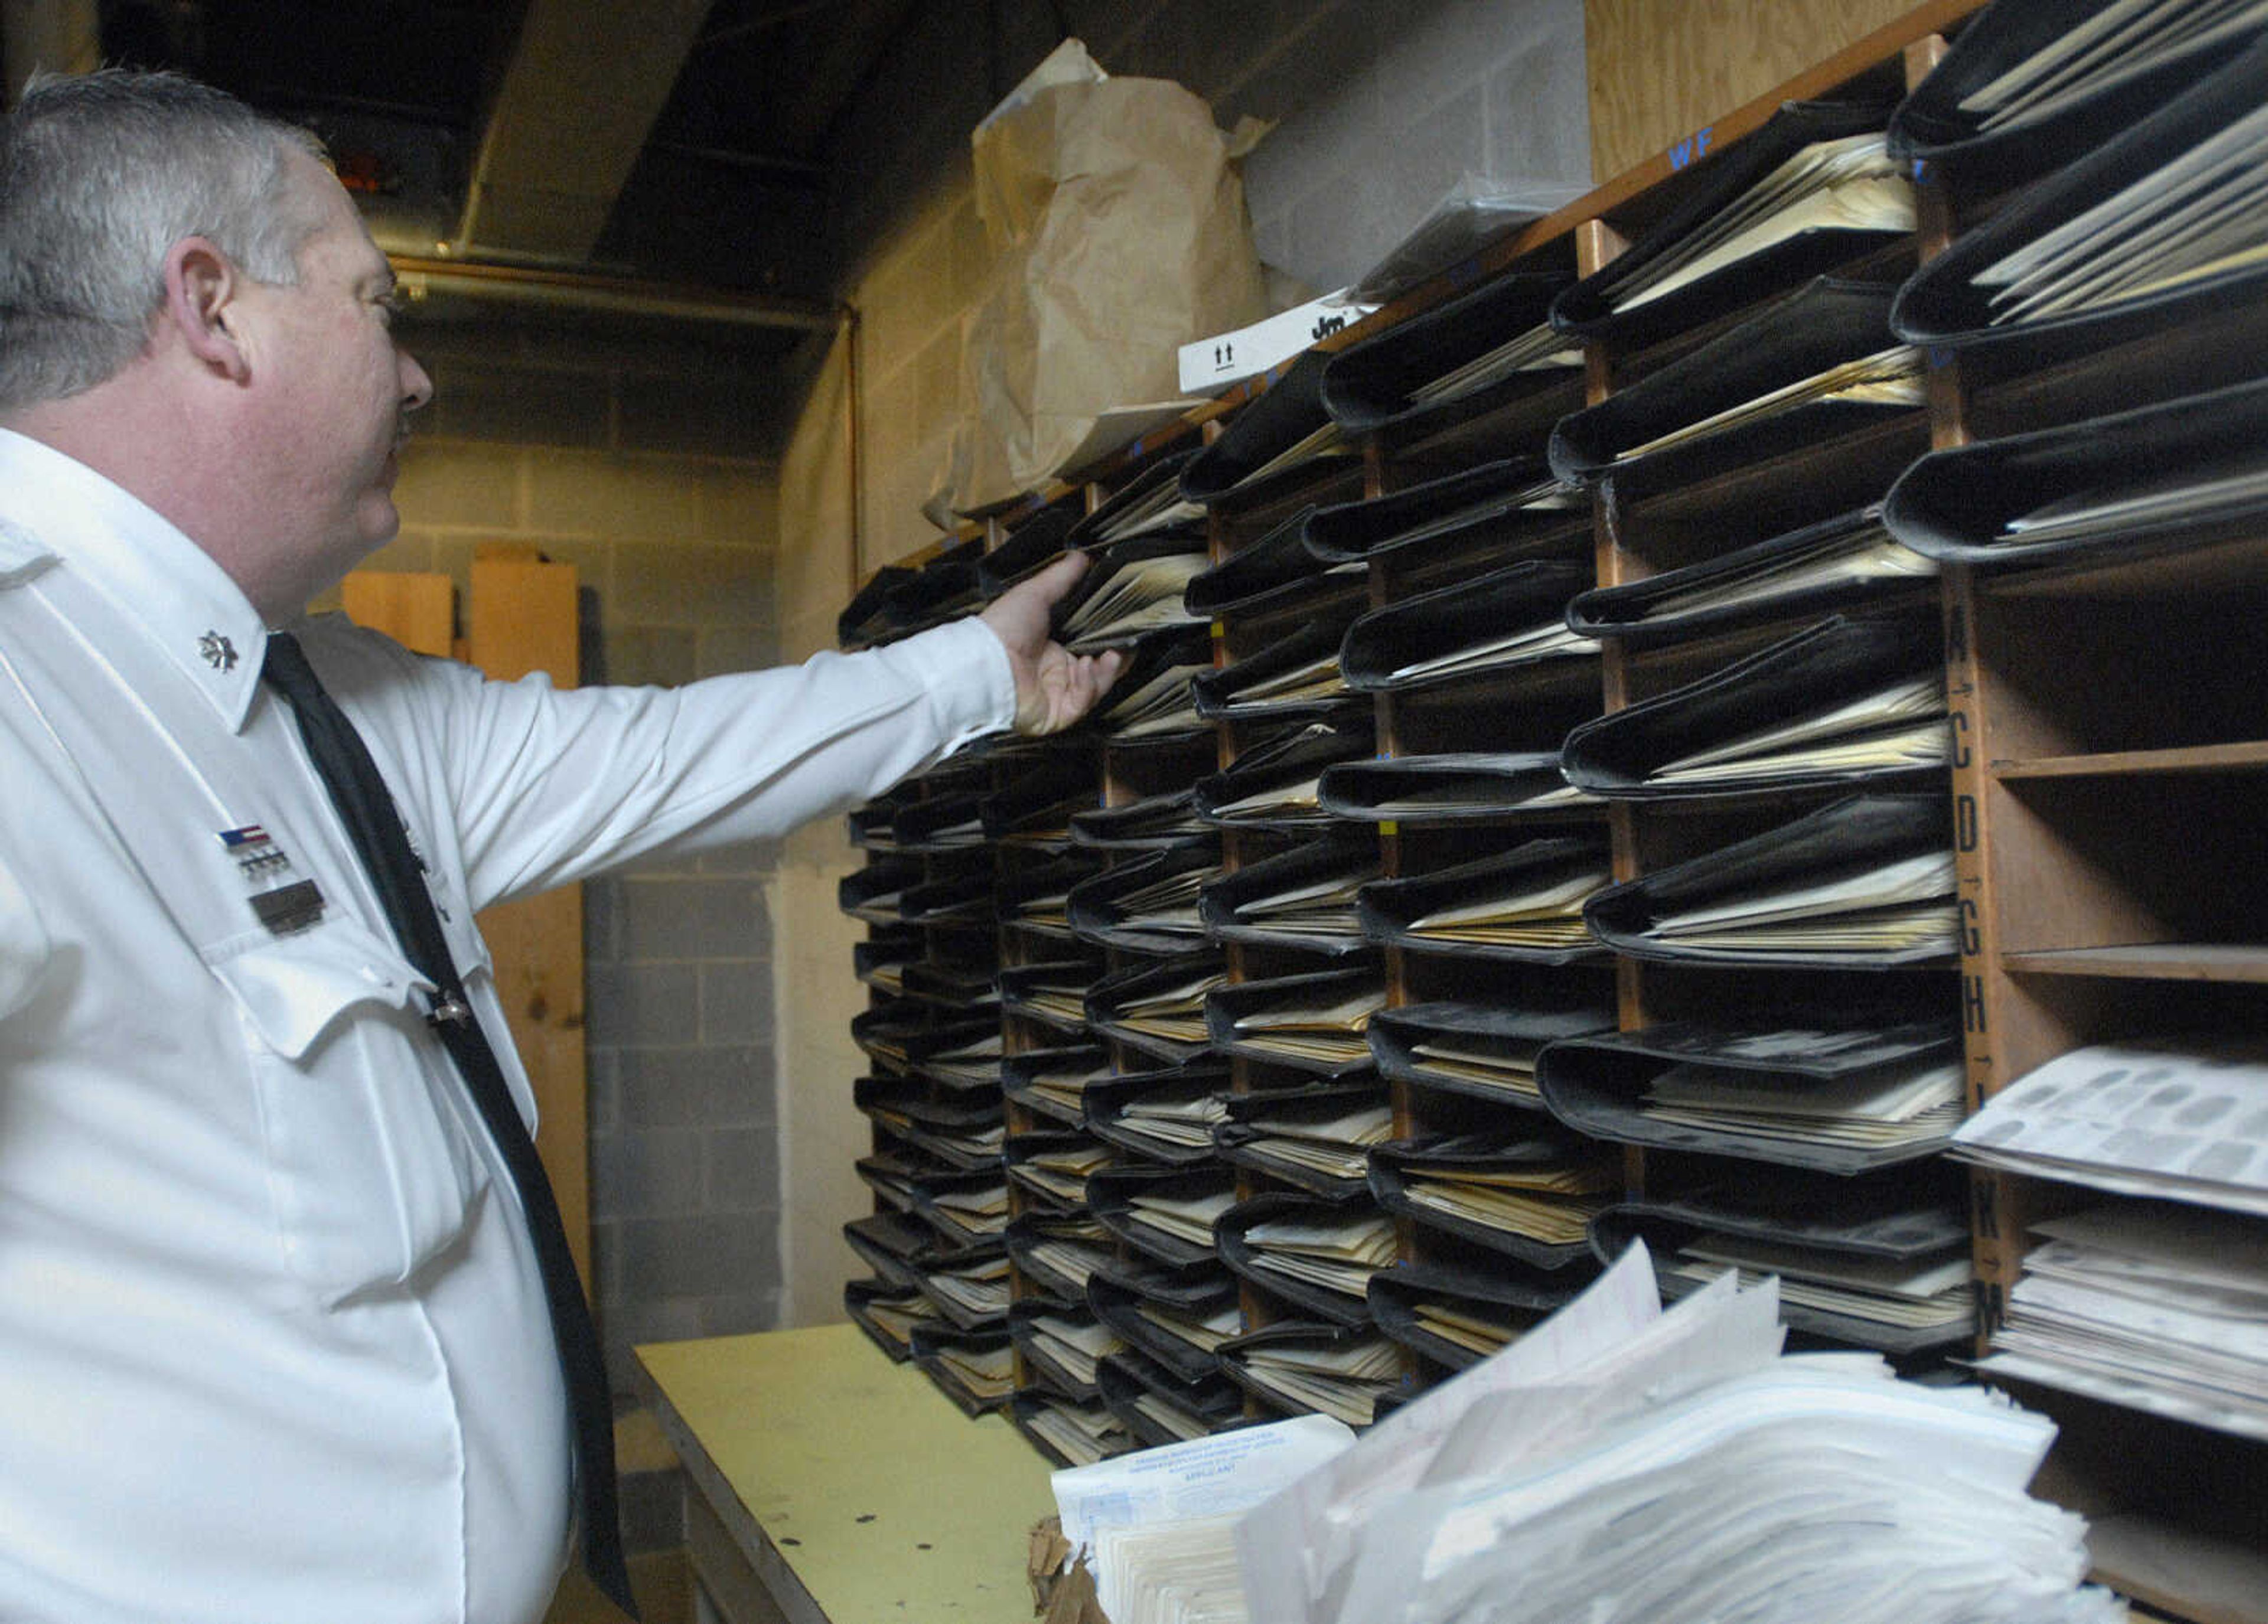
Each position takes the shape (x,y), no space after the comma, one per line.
(273,1345)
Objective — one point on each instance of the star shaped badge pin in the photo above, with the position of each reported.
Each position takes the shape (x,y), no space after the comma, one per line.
(219,652)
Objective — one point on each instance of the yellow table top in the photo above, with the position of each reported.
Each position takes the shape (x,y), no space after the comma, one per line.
(882,1499)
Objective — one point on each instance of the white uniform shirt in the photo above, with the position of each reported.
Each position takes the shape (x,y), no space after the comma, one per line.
(273,1347)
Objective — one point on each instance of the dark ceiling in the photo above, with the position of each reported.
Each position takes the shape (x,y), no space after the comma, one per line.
(721,176)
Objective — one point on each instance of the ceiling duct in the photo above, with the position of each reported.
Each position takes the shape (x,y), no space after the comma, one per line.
(585,82)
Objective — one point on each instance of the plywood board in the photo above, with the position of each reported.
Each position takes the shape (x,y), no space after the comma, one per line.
(1663,70)
(418,611)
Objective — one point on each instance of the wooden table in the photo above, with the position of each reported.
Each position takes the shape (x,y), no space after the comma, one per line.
(833,1487)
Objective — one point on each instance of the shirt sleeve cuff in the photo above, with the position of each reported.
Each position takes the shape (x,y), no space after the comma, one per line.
(964,668)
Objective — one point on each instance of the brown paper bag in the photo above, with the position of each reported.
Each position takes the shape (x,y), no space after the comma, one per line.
(1116,217)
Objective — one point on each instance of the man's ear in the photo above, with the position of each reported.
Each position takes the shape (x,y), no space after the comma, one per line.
(200,289)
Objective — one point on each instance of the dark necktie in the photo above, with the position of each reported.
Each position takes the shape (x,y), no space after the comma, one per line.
(367,808)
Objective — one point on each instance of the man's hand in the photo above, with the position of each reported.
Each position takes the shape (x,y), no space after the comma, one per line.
(1054,686)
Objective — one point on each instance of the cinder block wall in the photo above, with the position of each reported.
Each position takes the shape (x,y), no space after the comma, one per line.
(637,462)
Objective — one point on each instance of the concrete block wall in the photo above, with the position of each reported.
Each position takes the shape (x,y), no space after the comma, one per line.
(642,462)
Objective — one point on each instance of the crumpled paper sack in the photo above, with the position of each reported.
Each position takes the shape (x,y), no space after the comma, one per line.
(1117,217)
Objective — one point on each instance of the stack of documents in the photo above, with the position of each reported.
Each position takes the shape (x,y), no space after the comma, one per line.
(1054,1082)
(2185,1121)
(1849,558)
(888,1313)
(1331,1144)
(1150,824)
(1172,1119)
(1498,1190)
(1149,905)
(1896,727)
(1516,505)
(2122,41)
(1158,1531)
(969,1066)
(1853,184)
(1887,378)
(1177,1315)
(1334,1251)
(1926,1294)
(1314,1372)
(2199,215)
(1316,1022)
(1491,623)
(1306,898)
(1054,992)
(1621,1465)
(1078,1435)
(1483,1049)
(969,1215)
(972,1294)
(1541,349)
(1039,898)
(1163,702)
(1066,1345)
(1167,1005)
(975,1368)
(1186,1218)
(1457,1316)
(1869,879)
(1529,902)
(1057,1166)
(1059,1251)
(2199,494)
(2146,1304)
(1137,596)
(1274,783)
(1452,787)
(1161,1406)
(1916,1106)
(1841,1089)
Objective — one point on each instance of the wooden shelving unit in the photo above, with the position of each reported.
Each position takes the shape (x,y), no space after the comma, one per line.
(2102,795)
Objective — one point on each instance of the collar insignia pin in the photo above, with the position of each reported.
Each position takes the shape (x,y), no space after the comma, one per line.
(219,652)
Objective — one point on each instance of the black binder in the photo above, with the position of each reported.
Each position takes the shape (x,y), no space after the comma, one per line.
(1459,788)
(1822,324)
(1242,1257)
(1517,508)
(1905,1213)
(1382,645)
(1508,1292)
(1596,1085)
(1833,664)
(1972,504)
(1932,126)
(1443,1156)
(1229,472)
(1940,306)
(1391,909)
(1107,1105)
(1586,309)
(1540,1010)
(1256,1119)
(1372,385)
(1274,575)
(1847,563)
(1844,839)
(1225,904)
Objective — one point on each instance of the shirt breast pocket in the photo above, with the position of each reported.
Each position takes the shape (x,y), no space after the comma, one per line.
(373,1168)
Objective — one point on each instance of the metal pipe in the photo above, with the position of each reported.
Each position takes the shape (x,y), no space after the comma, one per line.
(619,296)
